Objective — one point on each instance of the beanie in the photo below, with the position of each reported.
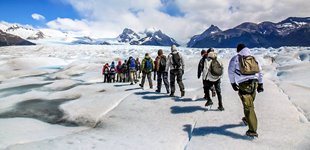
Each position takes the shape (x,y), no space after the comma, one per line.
(240,47)
(173,48)
(202,52)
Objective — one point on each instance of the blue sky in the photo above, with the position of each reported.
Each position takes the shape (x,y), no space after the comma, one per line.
(180,19)
(20,11)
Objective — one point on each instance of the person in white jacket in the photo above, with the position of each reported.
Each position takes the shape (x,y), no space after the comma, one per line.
(212,80)
(246,85)
(175,63)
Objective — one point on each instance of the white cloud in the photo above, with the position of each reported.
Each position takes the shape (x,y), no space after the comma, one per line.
(36,16)
(109,17)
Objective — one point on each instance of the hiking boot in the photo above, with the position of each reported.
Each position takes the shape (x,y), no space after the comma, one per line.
(141,85)
(171,95)
(251,133)
(208,103)
(158,91)
(221,108)
(244,121)
(182,93)
(131,83)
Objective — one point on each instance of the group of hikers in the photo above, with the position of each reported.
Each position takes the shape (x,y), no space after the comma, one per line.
(130,71)
(245,75)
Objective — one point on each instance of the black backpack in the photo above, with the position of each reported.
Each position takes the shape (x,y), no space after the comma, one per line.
(176,60)
(162,63)
(216,69)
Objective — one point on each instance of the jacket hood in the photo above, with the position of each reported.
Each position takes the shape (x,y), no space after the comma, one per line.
(245,52)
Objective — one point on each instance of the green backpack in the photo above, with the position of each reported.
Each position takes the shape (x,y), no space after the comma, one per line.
(248,65)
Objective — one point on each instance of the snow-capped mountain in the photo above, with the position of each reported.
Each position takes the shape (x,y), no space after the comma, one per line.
(7,39)
(211,30)
(23,31)
(292,31)
(150,36)
(128,35)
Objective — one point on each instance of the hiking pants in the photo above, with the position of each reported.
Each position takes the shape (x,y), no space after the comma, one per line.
(217,85)
(119,77)
(149,77)
(176,73)
(212,89)
(132,76)
(106,78)
(247,93)
(162,76)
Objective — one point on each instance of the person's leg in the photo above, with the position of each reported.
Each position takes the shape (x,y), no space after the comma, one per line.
(172,82)
(149,77)
(159,80)
(180,82)
(205,89)
(143,79)
(165,78)
(248,104)
(131,77)
(217,86)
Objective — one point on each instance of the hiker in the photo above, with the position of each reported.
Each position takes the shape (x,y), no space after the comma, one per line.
(147,66)
(119,71)
(175,63)
(160,69)
(132,70)
(138,72)
(106,72)
(245,75)
(154,74)
(125,71)
(112,72)
(212,74)
(204,55)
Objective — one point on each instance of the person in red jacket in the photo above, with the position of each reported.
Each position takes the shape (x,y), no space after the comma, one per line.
(106,72)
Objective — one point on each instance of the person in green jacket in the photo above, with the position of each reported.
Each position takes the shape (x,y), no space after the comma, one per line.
(147,66)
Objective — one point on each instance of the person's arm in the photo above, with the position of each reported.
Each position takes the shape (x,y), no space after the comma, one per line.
(168,63)
(260,87)
(182,62)
(200,66)
(232,69)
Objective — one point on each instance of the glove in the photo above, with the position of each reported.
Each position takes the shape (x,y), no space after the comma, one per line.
(260,87)
(235,86)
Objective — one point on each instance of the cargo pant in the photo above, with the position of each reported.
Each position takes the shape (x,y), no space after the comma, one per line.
(149,77)
(176,73)
(207,86)
(247,93)
(162,76)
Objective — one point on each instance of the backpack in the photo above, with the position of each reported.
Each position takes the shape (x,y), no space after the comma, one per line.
(216,69)
(119,68)
(106,70)
(124,68)
(162,63)
(132,64)
(112,70)
(176,61)
(248,65)
(148,66)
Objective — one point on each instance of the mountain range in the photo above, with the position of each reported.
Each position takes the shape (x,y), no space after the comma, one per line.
(292,31)
(150,36)
(7,39)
